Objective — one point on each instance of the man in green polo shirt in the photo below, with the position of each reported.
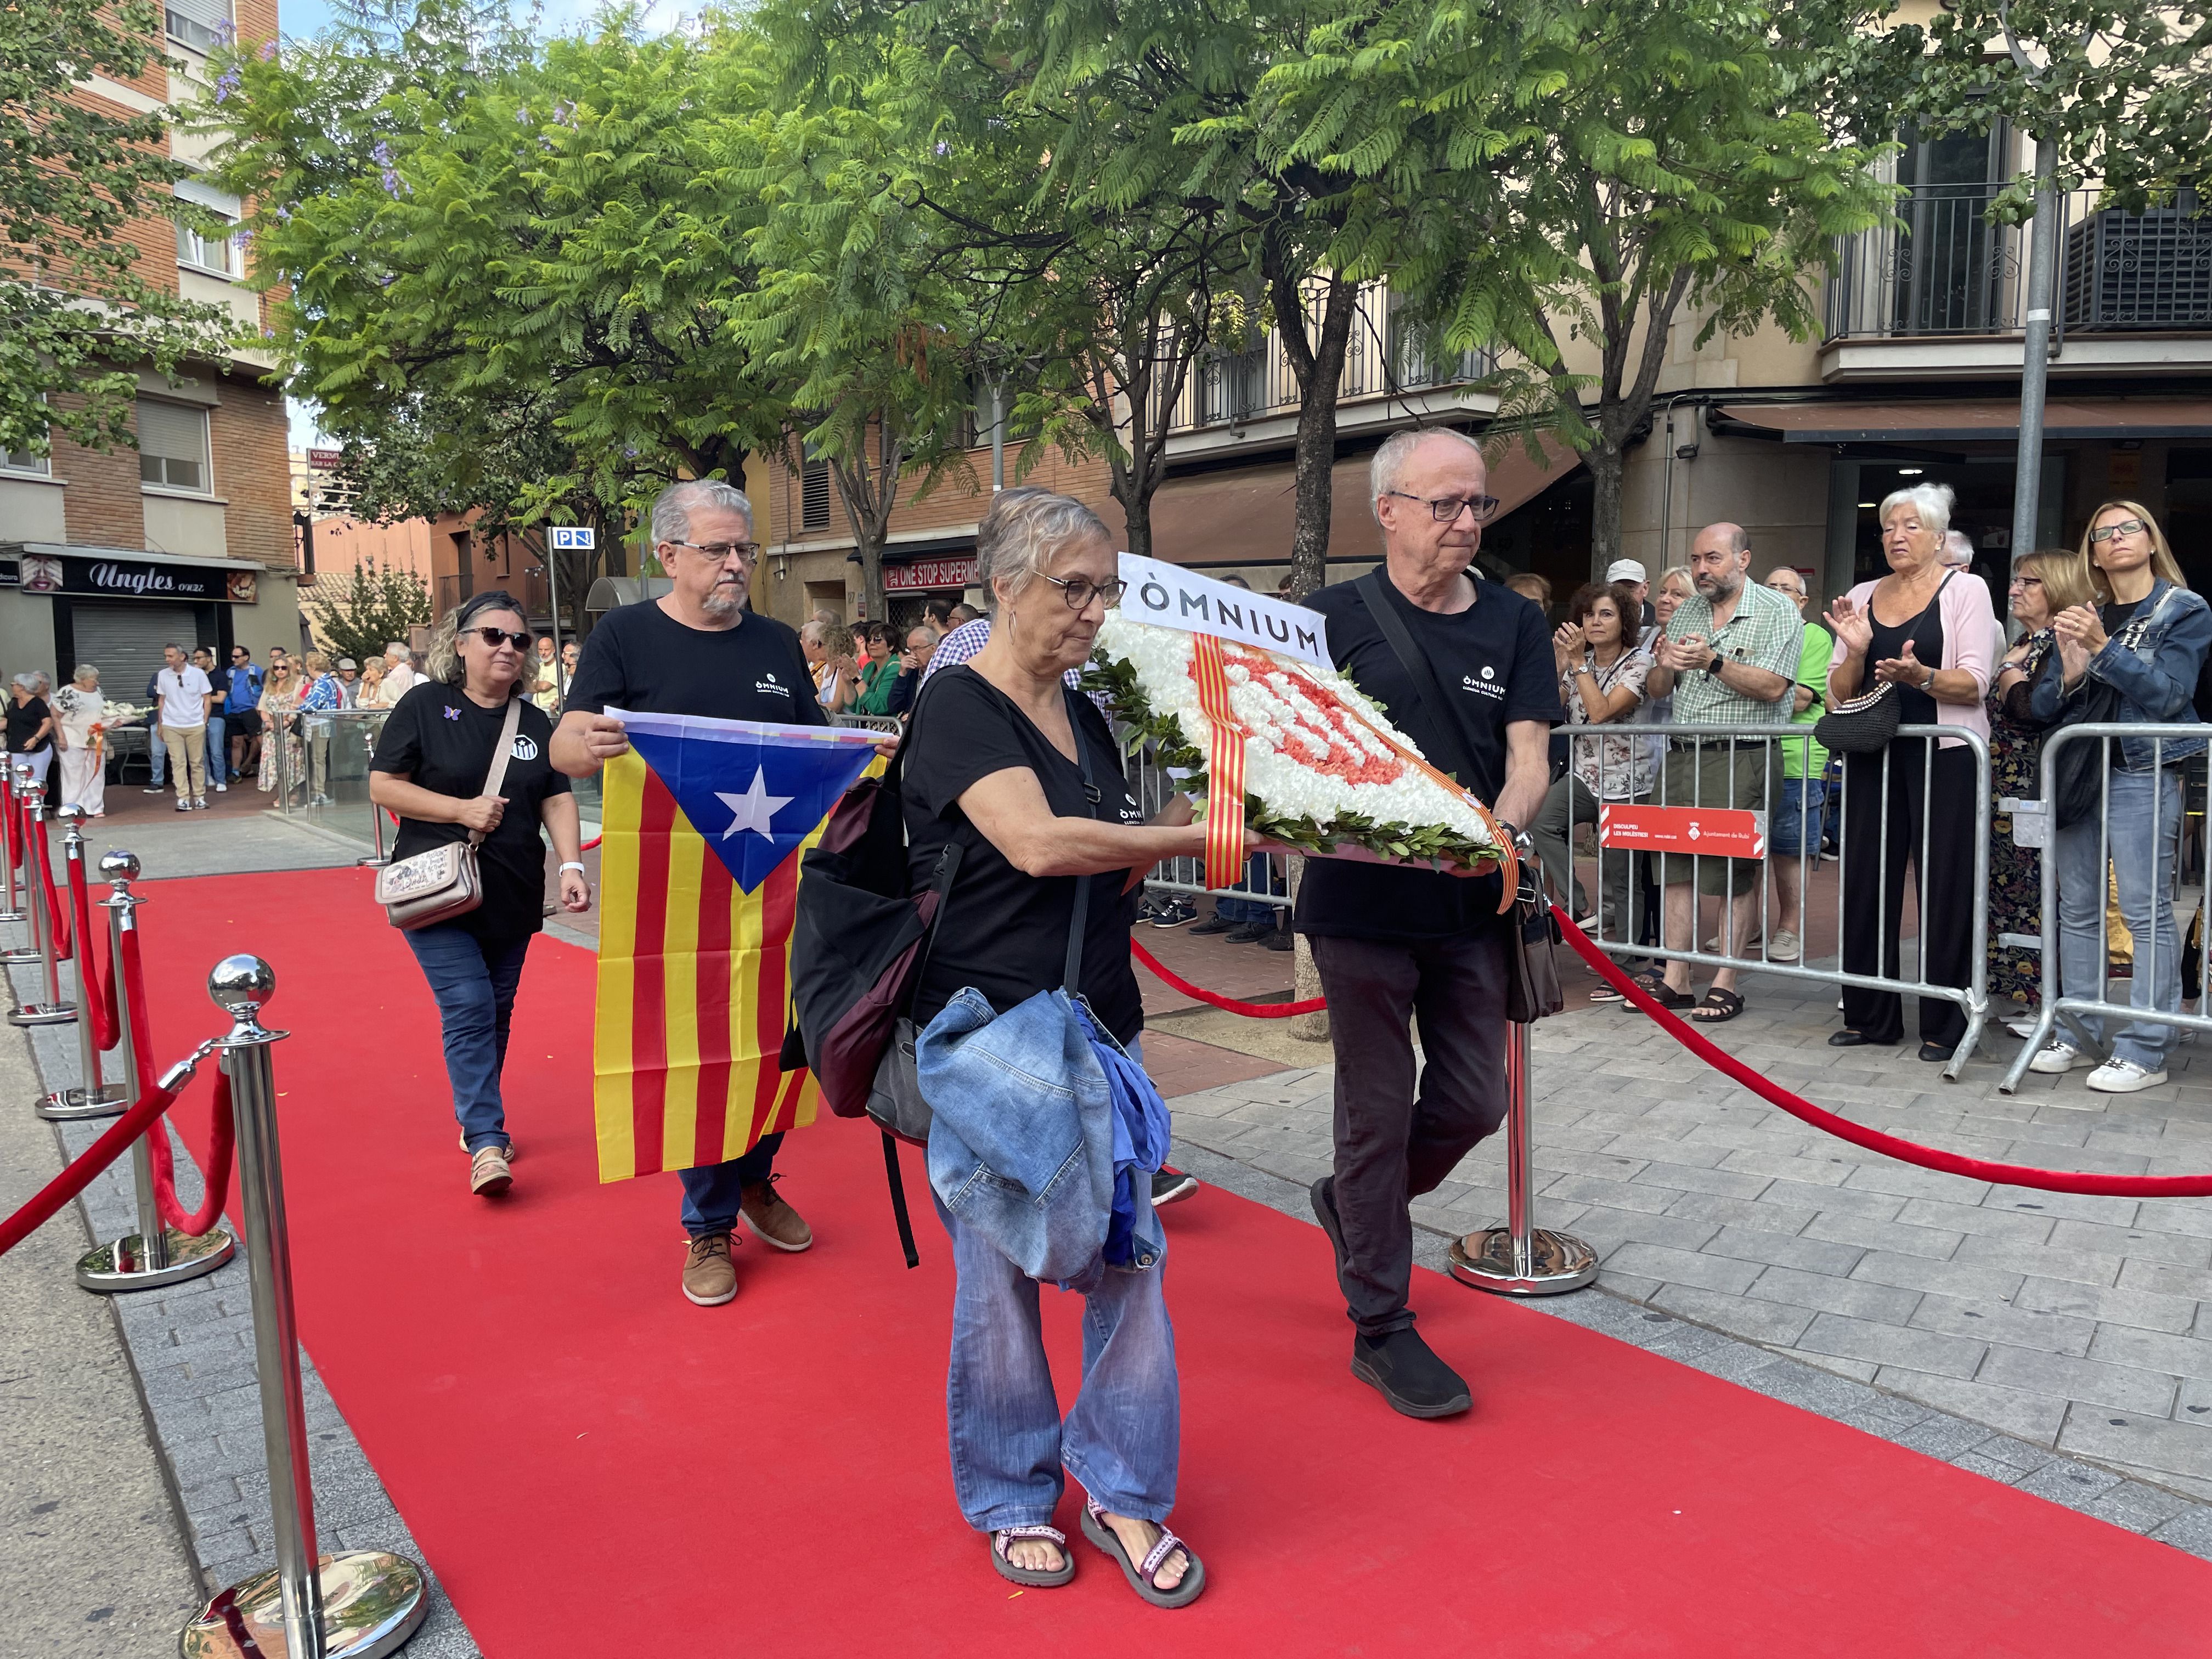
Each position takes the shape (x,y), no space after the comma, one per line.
(1730,658)
(1793,834)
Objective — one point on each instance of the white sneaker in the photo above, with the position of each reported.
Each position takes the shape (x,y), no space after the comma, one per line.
(2059,1057)
(2020,1028)
(222,789)
(1786,947)
(2123,1077)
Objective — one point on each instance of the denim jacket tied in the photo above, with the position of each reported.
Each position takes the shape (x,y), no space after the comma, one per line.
(1021,1137)
(2152,666)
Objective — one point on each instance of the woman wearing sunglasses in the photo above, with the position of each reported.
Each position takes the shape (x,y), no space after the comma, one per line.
(433,761)
(280,725)
(2133,656)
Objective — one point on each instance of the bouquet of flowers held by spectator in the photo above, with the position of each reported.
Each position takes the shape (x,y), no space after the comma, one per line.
(1324,772)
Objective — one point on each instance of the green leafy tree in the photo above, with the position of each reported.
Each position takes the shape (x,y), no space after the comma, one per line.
(77,317)
(372,606)
(1595,173)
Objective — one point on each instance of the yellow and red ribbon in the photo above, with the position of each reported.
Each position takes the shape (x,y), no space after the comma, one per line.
(1225,764)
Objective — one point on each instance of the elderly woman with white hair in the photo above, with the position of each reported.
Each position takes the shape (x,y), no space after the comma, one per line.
(1023,776)
(1926,630)
(81,723)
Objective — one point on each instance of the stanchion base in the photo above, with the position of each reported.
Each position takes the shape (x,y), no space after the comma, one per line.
(1560,1262)
(44,1014)
(120,1266)
(371,1603)
(66,1105)
(15,956)
(13,915)
(372,862)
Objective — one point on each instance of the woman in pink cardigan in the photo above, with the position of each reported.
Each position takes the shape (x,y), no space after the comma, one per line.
(1929,632)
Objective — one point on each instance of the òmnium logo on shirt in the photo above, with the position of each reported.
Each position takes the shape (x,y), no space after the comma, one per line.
(1486,686)
(768,685)
(525,749)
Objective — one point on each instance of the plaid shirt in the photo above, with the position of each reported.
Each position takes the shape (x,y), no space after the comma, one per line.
(1766,632)
(965,641)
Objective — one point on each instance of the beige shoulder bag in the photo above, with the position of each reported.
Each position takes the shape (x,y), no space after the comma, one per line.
(445,882)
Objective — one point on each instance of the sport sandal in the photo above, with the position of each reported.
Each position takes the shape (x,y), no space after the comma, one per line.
(1033,1577)
(1140,1577)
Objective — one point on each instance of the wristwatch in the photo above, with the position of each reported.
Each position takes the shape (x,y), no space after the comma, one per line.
(1713,668)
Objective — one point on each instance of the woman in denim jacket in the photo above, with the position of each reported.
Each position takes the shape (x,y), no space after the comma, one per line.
(996,761)
(2145,642)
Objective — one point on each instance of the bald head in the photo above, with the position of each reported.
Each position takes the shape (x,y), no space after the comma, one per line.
(1718,560)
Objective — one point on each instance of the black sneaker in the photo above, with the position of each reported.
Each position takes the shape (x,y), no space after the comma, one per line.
(1171,1185)
(1215,923)
(1251,932)
(1174,913)
(1405,1371)
(1279,939)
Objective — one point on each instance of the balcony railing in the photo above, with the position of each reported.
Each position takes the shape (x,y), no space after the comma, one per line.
(1946,270)
(531,590)
(1386,355)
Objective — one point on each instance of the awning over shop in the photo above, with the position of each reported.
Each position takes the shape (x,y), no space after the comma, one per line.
(1247,516)
(1987,420)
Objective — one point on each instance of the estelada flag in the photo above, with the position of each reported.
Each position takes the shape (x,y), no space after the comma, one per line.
(702,826)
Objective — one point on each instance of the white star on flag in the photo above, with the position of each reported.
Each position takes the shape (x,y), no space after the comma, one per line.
(754,809)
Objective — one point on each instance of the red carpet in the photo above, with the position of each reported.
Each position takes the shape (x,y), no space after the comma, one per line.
(595,1468)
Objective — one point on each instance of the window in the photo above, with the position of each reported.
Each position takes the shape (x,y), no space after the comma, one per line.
(814,493)
(201,25)
(217,255)
(173,446)
(21,460)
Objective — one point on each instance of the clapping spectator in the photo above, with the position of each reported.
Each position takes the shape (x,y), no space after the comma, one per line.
(1601,679)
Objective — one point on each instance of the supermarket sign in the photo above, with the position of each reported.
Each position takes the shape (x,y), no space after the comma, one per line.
(918,575)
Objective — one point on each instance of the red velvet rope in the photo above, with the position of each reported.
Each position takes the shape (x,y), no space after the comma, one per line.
(56,913)
(10,820)
(1249,1010)
(1927,1157)
(78,1176)
(96,990)
(220,1137)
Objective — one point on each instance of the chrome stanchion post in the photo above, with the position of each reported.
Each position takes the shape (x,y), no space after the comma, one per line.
(379,857)
(44,924)
(13,909)
(91,1098)
(155,1255)
(354,1604)
(22,901)
(1520,1258)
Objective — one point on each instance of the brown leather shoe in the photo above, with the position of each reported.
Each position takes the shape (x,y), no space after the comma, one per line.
(710,1277)
(771,1220)
(489,1175)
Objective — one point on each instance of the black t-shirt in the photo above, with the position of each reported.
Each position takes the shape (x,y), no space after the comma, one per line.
(443,740)
(1495,659)
(24,719)
(1003,932)
(641,658)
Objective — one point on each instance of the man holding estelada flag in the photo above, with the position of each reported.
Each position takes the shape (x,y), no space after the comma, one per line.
(721,767)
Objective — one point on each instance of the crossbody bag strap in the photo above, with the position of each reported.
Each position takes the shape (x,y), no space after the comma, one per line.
(501,755)
(1072,970)
(1426,687)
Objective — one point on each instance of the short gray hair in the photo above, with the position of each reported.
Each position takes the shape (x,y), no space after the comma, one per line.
(1932,500)
(1957,548)
(84,671)
(1389,463)
(673,508)
(1024,527)
(27,682)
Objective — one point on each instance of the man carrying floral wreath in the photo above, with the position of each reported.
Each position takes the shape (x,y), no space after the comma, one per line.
(1396,945)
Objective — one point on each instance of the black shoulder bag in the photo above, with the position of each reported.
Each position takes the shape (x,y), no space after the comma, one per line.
(1865,725)
(1532,986)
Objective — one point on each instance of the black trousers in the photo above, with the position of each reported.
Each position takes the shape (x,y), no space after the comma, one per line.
(1941,798)
(1394,1143)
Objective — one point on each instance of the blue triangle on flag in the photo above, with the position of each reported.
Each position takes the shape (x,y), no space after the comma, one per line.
(752,797)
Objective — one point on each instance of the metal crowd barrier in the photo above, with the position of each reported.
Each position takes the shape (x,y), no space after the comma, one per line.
(1151,786)
(891,723)
(1768,742)
(2034,826)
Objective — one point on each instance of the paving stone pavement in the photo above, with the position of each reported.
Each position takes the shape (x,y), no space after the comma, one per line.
(2080,1325)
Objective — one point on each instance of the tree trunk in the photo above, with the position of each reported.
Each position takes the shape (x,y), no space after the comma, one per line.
(1319,367)
(1605,462)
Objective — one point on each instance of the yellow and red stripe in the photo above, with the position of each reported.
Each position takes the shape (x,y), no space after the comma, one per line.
(1225,764)
(693,991)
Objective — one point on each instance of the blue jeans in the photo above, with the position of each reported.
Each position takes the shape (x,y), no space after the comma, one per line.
(711,1191)
(474,983)
(157,756)
(2143,854)
(218,752)
(1798,821)
(1123,1437)
(1247,912)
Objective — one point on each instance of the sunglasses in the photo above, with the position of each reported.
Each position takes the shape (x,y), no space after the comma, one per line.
(492,636)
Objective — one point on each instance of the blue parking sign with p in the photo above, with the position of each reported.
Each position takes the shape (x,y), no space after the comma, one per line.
(577,539)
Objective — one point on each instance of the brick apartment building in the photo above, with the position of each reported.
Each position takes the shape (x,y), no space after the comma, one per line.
(104,557)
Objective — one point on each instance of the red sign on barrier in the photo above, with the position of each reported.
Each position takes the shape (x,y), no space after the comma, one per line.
(1719,831)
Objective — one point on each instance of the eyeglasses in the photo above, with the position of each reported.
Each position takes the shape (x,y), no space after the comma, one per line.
(720,552)
(2027,581)
(2124,527)
(492,636)
(1078,593)
(1446,509)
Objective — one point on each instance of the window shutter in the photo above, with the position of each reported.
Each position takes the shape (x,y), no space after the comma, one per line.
(172,445)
